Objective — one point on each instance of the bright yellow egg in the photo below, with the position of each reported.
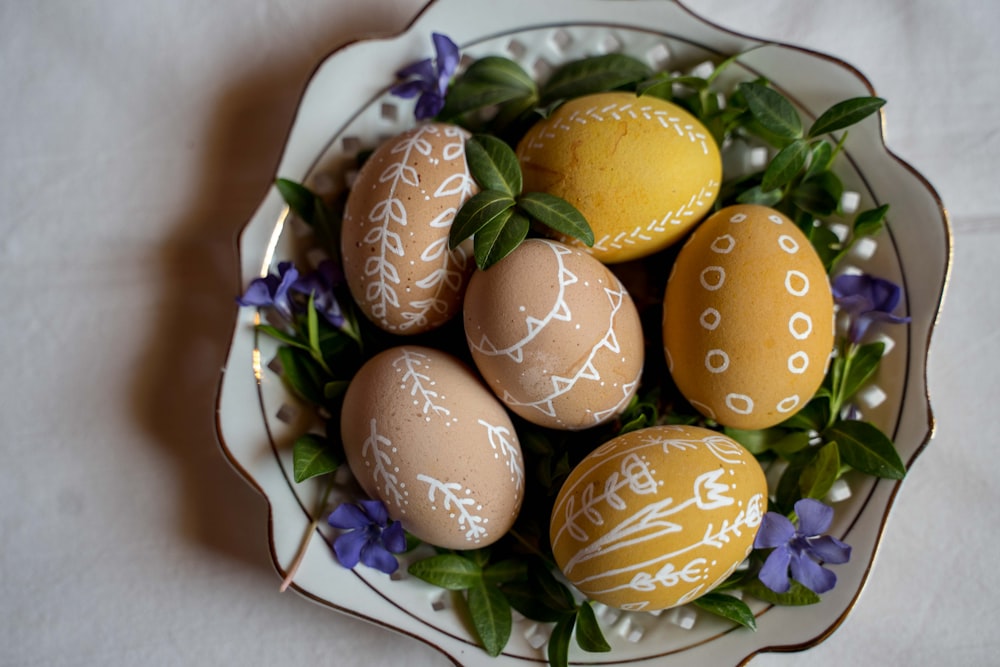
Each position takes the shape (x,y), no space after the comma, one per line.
(641,170)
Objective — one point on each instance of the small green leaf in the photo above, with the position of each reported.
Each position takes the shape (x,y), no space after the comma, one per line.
(797,596)
(728,607)
(821,472)
(279,335)
(757,195)
(826,244)
(871,221)
(861,366)
(449,571)
(820,158)
(558,650)
(335,389)
(866,449)
(312,457)
(595,74)
(493,164)
(755,441)
(312,327)
(479,211)
(523,597)
(505,571)
(813,416)
(488,81)
(661,85)
(772,110)
(792,443)
(314,211)
(491,617)
(557,214)
(786,165)
(302,374)
(589,636)
(499,238)
(844,114)
(819,195)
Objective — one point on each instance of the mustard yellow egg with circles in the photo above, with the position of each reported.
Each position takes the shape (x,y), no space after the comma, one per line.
(748,318)
(641,170)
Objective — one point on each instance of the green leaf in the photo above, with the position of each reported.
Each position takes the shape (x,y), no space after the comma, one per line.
(479,211)
(493,164)
(844,114)
(505,571)
(786,165)
(661,84)
(792,443)
(757,195)
(866,449)
(557,214)
(826,244)
(595,74)
(449,571)
(302,374)
(558,650)
(861,365)
(727,607)
(813,416)
(312,210)
(770,108)
(797,596)
(312,457)
(335,389)
(279,335)
(870,222)
(488,81)
(821,472)
(523,597)
(755,441)
(589,636)
(499,238)
(491,617)
(819,195)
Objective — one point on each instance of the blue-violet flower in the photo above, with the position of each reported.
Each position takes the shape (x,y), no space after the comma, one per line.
(800,550)
(429,78)
(371,538)
(272,290)
(867,299)
(320,284)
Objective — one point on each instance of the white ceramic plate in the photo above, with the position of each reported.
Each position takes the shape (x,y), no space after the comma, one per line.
(346,108)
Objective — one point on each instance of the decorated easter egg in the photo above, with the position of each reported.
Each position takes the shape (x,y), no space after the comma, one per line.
(641,170)
(555,335)
(394,237)
(657,517)
(422,434)
(748,318)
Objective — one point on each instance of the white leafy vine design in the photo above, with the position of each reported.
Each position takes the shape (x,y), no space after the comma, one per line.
(411,363)
(458,506)
(500,440)
(383,471)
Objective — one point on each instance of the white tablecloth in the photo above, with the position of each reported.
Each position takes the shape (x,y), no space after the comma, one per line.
(136,138)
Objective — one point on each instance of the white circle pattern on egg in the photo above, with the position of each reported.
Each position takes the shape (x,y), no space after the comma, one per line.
(422,434)
(754,300)
(394,237)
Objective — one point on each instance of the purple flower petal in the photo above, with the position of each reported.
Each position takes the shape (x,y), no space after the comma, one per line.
(350,546)
(376,512)
(775,530)
(394,538)
(258,293)
(811,574)
(348,516)
(422,70)
(814,517)
(447,55)
(774,573)
(829,549)
(374,555)
(428,106)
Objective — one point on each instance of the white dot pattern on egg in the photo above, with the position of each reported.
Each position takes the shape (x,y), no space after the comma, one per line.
(394,238)
(422,434)
(748,318)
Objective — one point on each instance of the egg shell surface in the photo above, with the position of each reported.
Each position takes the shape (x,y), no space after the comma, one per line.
(748,323)
(642,171)
(422,434)
(394,238)
(658,517)
(555,335)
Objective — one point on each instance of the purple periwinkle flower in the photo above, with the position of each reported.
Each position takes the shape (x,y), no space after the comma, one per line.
(272,290)
(372,538)
(320,284)
(429,78)
(800,550)
(867,299)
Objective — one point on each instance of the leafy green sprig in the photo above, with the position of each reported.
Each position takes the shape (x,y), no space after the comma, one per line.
(499,215)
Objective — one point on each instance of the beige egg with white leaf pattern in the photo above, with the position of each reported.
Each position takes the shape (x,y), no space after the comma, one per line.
(422,434)
(394,238)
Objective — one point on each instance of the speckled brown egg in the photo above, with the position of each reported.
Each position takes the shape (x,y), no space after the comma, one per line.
(555,335)
(394,238)
(748,318)
(422,434)
(642,170)
(657,517)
